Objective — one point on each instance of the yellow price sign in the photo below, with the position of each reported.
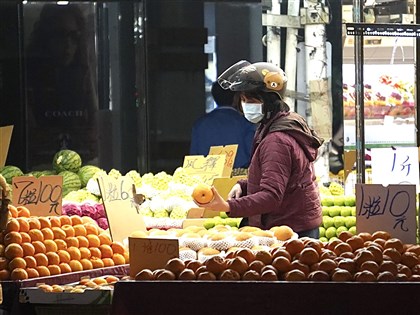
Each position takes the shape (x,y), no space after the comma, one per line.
(208,168)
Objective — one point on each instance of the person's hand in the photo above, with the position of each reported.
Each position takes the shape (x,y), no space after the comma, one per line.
(235,192)
(217,203)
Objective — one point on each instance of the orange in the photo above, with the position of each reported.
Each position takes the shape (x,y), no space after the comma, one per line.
(23,224)
(79,229)
(95,252)
(76,219)
(12,210)
(12,237)
(91,228)
(111,279)
(12,225)
(39,247)
(61,244)
(53,258)
(86,264)
(283,232)
(48,233)
(99,281)
(97,262)
(65,220)
(68,229)
(202,193)
(41,259)
(294,246)
(83,241)
(36,235)
(2,247)
(85,252)
(43,271)
(54,269)
(106,251)
(4,262)
(25,237)
(126,257)
(32,272)
(23,211)
(58,233)
(74,253)
(64,256)
(13,250)
(17,262)
(19,274)
(4,274)
(55,221)
(75,265)
(64,267)
(118,259)
(34,223)
(28,249)
(108,262)
(45,223)
(30,261)
(309,256)
(94,240)
(72,241)
(105,239)
(50,246)
(117,248)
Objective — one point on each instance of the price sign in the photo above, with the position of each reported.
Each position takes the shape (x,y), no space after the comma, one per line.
(151,253)
(208,168)
(395,166)
(5,136)
(42,196)
(391,209)
(230,152)
(121,210)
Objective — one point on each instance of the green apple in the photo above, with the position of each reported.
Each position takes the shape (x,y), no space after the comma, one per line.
(339,221)
(327,221)
(209,223)
(231,222)
(327,201)
(350,200)
(341,229)
(338,200)
(323,239)
(330,232)
(345,211)
(334,211)
(333,238)
(321,231)
(325,210)
(223,215)
(350,221)
(352,230)
(353,211)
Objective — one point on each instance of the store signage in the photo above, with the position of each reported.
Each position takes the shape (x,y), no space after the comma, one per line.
(395,166)
(42,196)
(121,209)
(5,136)
(151,253)
(230,152)
(391,209)
(207,168)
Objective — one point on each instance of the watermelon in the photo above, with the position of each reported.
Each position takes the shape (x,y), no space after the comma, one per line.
(71,182)
(10,171)
(48,173)
(86,172)
(67,160)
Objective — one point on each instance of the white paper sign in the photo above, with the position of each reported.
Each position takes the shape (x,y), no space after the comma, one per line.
(395,166)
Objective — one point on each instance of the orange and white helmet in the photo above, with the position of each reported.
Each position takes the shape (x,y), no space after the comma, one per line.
(260,76)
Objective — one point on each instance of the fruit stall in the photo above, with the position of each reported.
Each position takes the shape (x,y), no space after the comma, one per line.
(75,261)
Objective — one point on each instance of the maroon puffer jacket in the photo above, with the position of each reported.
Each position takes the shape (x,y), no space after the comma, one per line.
(281,187)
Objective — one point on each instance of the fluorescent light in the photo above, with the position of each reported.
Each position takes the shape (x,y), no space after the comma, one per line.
(62,2)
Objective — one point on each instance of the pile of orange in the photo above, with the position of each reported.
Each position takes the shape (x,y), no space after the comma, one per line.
(34,247)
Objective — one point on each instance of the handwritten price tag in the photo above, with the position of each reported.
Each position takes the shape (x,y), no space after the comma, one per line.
(151,253)
(121,210)
(230,152)
(42,196)
(208,168)
(391,209)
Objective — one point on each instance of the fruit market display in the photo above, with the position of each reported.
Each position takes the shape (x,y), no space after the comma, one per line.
(364,257)
(33,247)
(85,283)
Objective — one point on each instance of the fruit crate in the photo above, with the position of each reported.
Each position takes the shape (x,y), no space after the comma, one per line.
(66,309)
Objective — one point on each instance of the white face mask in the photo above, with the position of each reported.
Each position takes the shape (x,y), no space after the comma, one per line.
(253,112)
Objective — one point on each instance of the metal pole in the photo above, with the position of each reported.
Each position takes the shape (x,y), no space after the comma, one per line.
(359,87)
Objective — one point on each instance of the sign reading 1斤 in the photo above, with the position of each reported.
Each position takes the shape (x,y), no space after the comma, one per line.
(42,196)
(121,210)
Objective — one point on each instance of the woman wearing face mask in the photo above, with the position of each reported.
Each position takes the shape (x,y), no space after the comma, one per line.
(281,187)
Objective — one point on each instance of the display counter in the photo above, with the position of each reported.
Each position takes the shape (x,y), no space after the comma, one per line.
(201,297)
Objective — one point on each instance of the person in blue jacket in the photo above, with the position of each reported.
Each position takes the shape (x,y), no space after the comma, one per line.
(223,126)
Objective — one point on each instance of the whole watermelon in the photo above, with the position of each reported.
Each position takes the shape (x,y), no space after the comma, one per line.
(10,171)
(67,160)
(86,172)
(71,182)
